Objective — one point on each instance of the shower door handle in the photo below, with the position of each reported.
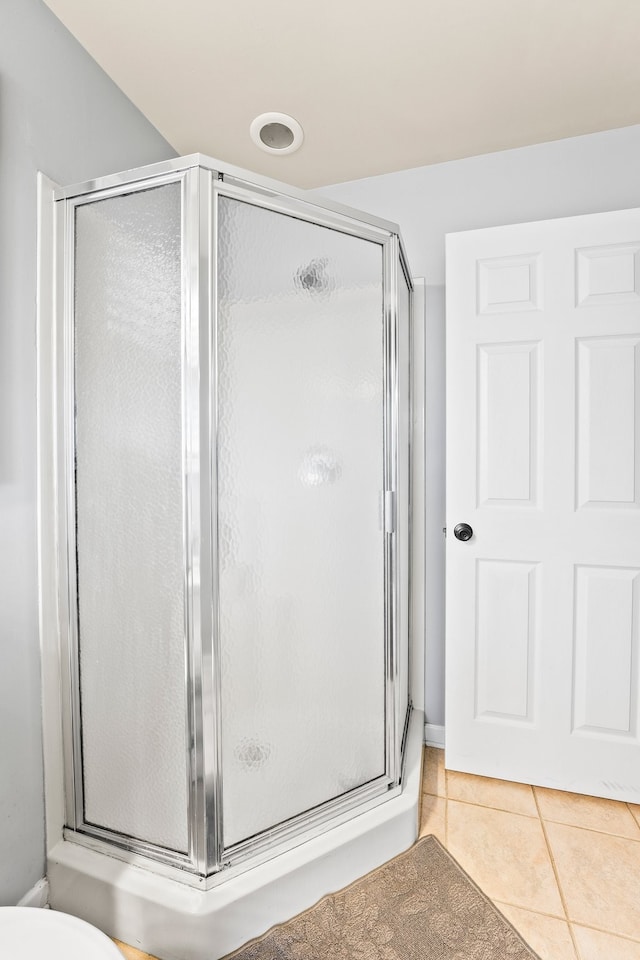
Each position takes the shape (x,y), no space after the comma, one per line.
(389,511)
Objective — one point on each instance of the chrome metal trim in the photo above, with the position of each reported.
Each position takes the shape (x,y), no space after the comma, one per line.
(75,803)
(137,846)
(120,848)
(404,266)
(206,679)
(390,518)
(215,708)
(122,189)
(137,178)
(316,817)
(391,484)
(210,705)
(301,209)
(237,175)
(193,521)
(62,522)
(230,870)
(303,835)
(404,739)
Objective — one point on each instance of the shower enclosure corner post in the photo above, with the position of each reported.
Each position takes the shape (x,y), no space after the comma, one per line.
(204,787)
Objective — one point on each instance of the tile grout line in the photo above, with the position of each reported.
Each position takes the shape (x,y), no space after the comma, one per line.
(601,833)
(538,815)
(557,876)
(489,806)
(608,933)
(537,913)
(628,806)
(570,923)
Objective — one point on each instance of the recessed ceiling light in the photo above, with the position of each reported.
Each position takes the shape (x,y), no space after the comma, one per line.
(276,133)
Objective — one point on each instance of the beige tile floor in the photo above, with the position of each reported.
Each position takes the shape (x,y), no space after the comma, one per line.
(563,868)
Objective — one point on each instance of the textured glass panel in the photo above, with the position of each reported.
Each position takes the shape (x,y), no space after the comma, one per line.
(300,453)
(403,534)
(129,514)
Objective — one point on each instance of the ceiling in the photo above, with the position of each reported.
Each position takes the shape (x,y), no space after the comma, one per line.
(377,85)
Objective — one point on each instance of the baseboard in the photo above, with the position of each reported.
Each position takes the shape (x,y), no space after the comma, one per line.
(434,735)
(38,896)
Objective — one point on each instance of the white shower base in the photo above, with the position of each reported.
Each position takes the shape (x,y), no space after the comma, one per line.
(177,922)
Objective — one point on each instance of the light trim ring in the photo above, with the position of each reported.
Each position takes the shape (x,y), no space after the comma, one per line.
(276,133)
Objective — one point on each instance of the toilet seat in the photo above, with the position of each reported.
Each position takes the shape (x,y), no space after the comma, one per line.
(29,933)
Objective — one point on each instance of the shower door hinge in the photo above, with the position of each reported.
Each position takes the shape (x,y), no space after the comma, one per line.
(389,511)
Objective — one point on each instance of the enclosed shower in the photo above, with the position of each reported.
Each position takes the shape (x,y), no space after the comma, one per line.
(231,459)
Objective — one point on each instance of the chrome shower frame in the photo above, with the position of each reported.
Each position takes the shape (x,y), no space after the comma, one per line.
(203,180)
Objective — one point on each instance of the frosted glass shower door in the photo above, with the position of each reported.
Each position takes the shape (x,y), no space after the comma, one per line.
(301,546)
(128,516)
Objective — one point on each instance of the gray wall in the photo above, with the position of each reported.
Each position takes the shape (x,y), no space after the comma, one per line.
(587,174)
(59,113)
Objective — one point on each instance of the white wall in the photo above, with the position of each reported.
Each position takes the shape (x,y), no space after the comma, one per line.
(59,113)
(586,174)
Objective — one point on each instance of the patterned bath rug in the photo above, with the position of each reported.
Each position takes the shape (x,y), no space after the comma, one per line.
(419,906)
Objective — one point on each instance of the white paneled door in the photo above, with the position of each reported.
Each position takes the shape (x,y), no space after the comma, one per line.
(543,464)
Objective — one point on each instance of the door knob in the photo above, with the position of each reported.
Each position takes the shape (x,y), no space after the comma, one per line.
(462,531)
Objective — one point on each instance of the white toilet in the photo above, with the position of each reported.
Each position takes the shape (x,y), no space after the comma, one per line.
(28,933)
